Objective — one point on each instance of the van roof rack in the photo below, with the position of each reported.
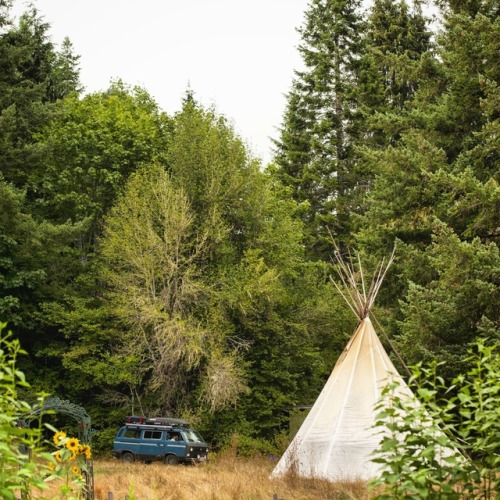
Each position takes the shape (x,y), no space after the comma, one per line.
(157,421)
(174,422)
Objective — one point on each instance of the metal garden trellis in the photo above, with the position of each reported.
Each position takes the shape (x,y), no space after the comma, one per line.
(84,431)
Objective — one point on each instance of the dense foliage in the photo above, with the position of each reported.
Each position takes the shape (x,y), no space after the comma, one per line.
(447,446)
(18,473)
(150,261)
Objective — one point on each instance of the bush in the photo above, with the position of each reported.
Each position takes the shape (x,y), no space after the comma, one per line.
(245,446)
(102,441)
(448,446)
(25,465)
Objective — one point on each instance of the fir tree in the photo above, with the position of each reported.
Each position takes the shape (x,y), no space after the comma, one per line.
(437,192)
(33,76)
(398,39)
(315,153)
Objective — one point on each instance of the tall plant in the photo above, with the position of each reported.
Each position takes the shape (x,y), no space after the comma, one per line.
(446,447)
(24,466)
(315,152)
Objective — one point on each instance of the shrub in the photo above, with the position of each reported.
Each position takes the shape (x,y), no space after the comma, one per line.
(25,465)
(245,446)
(446,447)
(102,441)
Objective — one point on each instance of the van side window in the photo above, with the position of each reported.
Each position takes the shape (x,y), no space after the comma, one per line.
(174,436)
(132,433)
(152,434)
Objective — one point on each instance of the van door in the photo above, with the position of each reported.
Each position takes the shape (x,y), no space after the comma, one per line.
(175,444)
(151,445)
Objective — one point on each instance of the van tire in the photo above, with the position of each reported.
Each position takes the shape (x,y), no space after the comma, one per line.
(128,457)
(171,460)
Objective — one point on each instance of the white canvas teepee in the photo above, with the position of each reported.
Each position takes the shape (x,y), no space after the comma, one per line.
(337,438)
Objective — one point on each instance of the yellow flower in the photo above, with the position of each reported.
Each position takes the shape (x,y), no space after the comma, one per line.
(85,450)
(72,444)
(57,455)
(75,469)
(52,467)
(58,437)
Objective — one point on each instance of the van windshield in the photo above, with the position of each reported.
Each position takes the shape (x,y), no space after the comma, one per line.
(193,436)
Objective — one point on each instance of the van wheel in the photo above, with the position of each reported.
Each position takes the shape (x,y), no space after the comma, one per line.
(171,460)
(128,457)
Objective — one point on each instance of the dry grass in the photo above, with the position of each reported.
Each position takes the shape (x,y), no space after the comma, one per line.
(226,478)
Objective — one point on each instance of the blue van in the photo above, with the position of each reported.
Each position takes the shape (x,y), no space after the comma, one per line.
(159,439)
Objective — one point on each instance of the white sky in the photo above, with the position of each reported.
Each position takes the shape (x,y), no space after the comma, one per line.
(238,55)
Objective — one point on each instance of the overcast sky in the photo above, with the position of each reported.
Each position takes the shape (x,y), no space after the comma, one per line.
(238,55)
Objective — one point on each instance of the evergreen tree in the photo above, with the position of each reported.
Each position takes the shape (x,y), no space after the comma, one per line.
(64,79)
(5,5)
(437,192)
(468,48)
(446,146)
(33,76)
(458,302)
(398,41)
(34,252)
(33,263)
(398,59)
(315,153)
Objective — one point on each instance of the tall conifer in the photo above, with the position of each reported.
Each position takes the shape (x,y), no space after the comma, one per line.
(437,192)
(33,76)
(315,151)
(398,40)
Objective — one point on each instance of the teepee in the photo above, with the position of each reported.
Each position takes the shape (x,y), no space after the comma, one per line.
(337,438)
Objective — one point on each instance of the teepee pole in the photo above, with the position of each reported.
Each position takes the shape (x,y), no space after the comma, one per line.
(345,298)
(362,303)
(386,337)
(362,278)
(355,293)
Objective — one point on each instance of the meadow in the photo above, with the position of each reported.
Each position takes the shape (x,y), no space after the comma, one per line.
(223,478)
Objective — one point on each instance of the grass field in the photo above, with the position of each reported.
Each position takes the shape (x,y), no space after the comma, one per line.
(224,478)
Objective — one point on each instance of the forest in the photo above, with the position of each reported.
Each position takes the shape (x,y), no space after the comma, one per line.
(151,265)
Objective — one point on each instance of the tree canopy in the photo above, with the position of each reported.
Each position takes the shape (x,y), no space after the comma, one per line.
(151,260)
